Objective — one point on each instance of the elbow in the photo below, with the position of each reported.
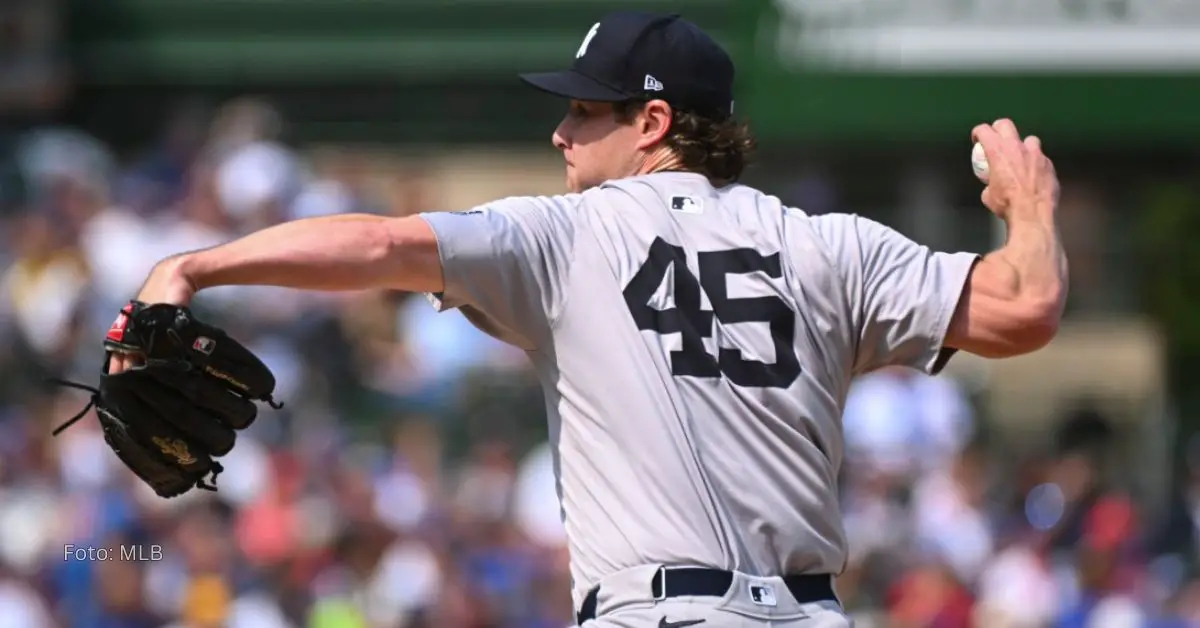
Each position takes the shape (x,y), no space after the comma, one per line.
(409,252)
(382,248)
(1037,324)
(1038,332)
(997,320)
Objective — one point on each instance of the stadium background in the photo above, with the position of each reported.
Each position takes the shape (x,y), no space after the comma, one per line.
(407,483)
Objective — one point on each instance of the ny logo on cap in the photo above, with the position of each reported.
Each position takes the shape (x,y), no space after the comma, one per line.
(587,39)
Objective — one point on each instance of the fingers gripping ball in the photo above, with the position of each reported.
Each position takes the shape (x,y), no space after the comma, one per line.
(169,418)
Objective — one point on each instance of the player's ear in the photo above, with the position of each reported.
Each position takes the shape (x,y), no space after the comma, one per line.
(655,122)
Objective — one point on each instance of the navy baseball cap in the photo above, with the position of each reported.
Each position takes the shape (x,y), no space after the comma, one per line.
(630,55)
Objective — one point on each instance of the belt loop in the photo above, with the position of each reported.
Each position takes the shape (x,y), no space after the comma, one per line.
(660,578)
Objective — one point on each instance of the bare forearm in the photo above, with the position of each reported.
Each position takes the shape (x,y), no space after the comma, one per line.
(349,252)
(1033,264)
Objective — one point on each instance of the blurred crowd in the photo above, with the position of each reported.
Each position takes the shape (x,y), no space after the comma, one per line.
(405,482)
(948,528)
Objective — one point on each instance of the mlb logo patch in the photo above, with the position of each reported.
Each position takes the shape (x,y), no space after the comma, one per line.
(687,204)
(763,595)
(204,345)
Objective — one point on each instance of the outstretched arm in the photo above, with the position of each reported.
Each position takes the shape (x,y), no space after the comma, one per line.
(504,263)
(349,252)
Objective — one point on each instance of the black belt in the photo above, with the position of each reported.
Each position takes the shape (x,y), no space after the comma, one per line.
(699,581)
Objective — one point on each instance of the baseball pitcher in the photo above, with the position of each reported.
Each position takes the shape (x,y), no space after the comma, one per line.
(694,336)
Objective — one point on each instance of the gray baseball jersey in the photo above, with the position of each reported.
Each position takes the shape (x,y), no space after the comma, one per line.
(695,346)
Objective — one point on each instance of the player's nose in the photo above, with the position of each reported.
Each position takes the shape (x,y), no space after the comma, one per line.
(559,138)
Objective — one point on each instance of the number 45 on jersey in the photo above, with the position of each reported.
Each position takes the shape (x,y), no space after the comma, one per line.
(695,324)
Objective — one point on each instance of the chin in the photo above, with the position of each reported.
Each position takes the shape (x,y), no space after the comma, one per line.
(578,184)
(573,185)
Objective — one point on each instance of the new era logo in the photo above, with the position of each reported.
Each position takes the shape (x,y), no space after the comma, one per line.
(653,84)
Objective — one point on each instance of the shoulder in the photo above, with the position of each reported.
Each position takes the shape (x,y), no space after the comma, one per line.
(832,236)
(847,236)
(655,188)
(526,204)
(522,213)
(836,225)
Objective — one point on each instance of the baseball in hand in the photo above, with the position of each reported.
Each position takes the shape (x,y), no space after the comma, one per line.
(979,162)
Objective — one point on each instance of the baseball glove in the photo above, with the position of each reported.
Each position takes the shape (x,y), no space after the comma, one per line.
(168,418)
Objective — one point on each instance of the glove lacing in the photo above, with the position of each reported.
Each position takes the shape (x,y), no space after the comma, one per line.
(92,401)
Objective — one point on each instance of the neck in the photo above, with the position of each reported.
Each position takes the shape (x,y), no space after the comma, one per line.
(658,161)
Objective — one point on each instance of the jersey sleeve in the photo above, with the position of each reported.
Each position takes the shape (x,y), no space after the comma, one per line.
(505,264)
(902,295)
